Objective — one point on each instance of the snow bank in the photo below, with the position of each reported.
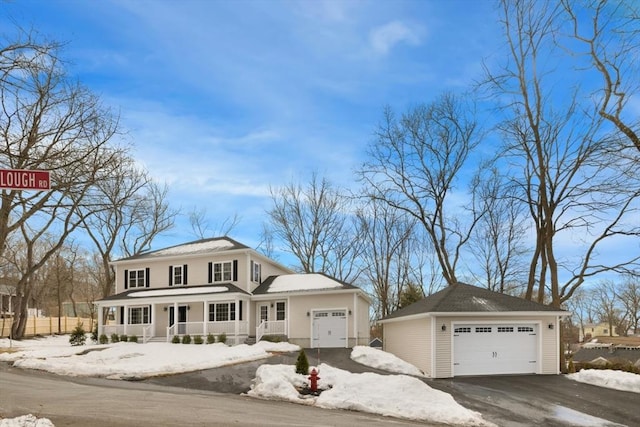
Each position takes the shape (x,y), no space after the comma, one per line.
(397,396)
(618,380)
(26,421)
(379,359)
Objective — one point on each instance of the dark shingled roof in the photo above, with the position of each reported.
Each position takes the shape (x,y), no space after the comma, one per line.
(266,284)
(190,248)
(170,291)
(611,353)
(463,298)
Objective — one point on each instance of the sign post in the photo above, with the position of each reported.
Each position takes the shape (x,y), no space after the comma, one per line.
(22,179)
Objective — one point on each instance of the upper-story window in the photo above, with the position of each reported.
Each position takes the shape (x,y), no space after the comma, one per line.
(137,278)
(222,271)
(255,271)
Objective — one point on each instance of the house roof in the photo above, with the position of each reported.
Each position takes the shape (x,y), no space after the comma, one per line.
(197,247)
(463,298)
(308,282)
(610,353)
(173,291)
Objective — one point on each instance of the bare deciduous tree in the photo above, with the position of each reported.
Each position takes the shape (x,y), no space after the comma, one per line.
(314,225)
(498,242)
(575,180)
(203,228)
(414,165)
(629,294)
(610,31)
(387,236)
(48,122)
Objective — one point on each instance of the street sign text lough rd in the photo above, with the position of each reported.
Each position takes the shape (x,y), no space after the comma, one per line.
(21,179)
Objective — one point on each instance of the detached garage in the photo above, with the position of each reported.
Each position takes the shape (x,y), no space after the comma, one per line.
(466,330)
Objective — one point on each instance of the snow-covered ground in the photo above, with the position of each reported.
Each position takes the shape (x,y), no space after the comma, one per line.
(618,380)
(400,395)
(393,395)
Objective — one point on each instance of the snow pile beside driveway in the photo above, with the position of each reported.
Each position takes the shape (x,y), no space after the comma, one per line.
(127,360)
(618,380)
(382,360)
(398,396)
(26,421)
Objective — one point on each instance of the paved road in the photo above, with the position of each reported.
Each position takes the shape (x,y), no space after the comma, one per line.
(104,403)
(542,400)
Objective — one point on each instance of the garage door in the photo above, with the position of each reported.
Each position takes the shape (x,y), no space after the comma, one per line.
(330,328)
(495,349)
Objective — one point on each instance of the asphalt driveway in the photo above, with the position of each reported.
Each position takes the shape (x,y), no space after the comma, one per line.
(514,401)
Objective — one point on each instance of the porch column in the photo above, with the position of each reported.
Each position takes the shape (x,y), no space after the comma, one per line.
(355,319)
(236,322)
(153,320)
(100,314)
(205,314)
(125,321)
(175,318)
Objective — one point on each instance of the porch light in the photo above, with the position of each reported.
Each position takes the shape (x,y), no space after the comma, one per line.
(550,325)
(349,312)
(444,327)
(188,307)
(165,308)
(308,314)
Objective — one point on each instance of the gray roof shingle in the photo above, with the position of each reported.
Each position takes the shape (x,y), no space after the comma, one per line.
(202,246)
(463,298)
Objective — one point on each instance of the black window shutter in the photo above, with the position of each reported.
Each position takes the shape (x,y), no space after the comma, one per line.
(146,277)
(170,276)
(126,280)
(235,270)
(251,270)
(121,315)
(184,274)
(150,311)
(239,310)
(210,272)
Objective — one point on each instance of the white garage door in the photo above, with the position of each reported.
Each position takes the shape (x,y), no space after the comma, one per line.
(330,328)
(495,349)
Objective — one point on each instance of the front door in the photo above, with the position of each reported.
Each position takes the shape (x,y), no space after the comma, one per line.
(182,319)
(263,313)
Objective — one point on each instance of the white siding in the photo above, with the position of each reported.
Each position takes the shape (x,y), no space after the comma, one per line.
(410,341)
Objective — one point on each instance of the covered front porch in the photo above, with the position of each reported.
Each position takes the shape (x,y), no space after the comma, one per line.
(160,315)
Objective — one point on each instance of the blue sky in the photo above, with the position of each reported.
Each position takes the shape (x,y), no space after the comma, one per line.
(223,99)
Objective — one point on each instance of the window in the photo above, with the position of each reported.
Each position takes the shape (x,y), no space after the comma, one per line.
(280,310)
(505,328)
(177,275)
(605,331)
(463,330)
(222,271)
(321,314)
(338,314)
(222,312)
(525,329)
(138,315)
(255,273)
(136,278)
(483,329)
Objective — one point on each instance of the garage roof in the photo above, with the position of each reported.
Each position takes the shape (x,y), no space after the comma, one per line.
(463,298)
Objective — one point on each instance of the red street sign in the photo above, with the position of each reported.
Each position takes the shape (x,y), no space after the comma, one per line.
(21,179)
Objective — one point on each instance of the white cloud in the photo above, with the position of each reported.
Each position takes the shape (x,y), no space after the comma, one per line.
(385,37)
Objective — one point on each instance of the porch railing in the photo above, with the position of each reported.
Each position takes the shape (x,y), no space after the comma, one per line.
(215,328)
(271,327)
(147,334)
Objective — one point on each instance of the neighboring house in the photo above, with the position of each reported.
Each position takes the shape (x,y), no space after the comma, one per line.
(592,330)
(216,286)
(8,300)
(608,353)
(466,330)
(375,343)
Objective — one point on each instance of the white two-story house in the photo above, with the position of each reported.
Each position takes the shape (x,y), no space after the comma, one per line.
(215,286)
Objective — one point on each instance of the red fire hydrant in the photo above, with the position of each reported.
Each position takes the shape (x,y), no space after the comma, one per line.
(313,380)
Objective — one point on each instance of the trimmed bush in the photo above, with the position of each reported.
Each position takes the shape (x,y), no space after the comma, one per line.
(103,339)
(222,338)
(302,363)
(133,338)
(198,339)
(124,338)
(186,339)
(211,339)
(617,366)
(78,336)
(271,338)
(175,339)
(115,338)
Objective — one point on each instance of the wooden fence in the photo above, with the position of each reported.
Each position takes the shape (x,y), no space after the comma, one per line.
(47,325)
